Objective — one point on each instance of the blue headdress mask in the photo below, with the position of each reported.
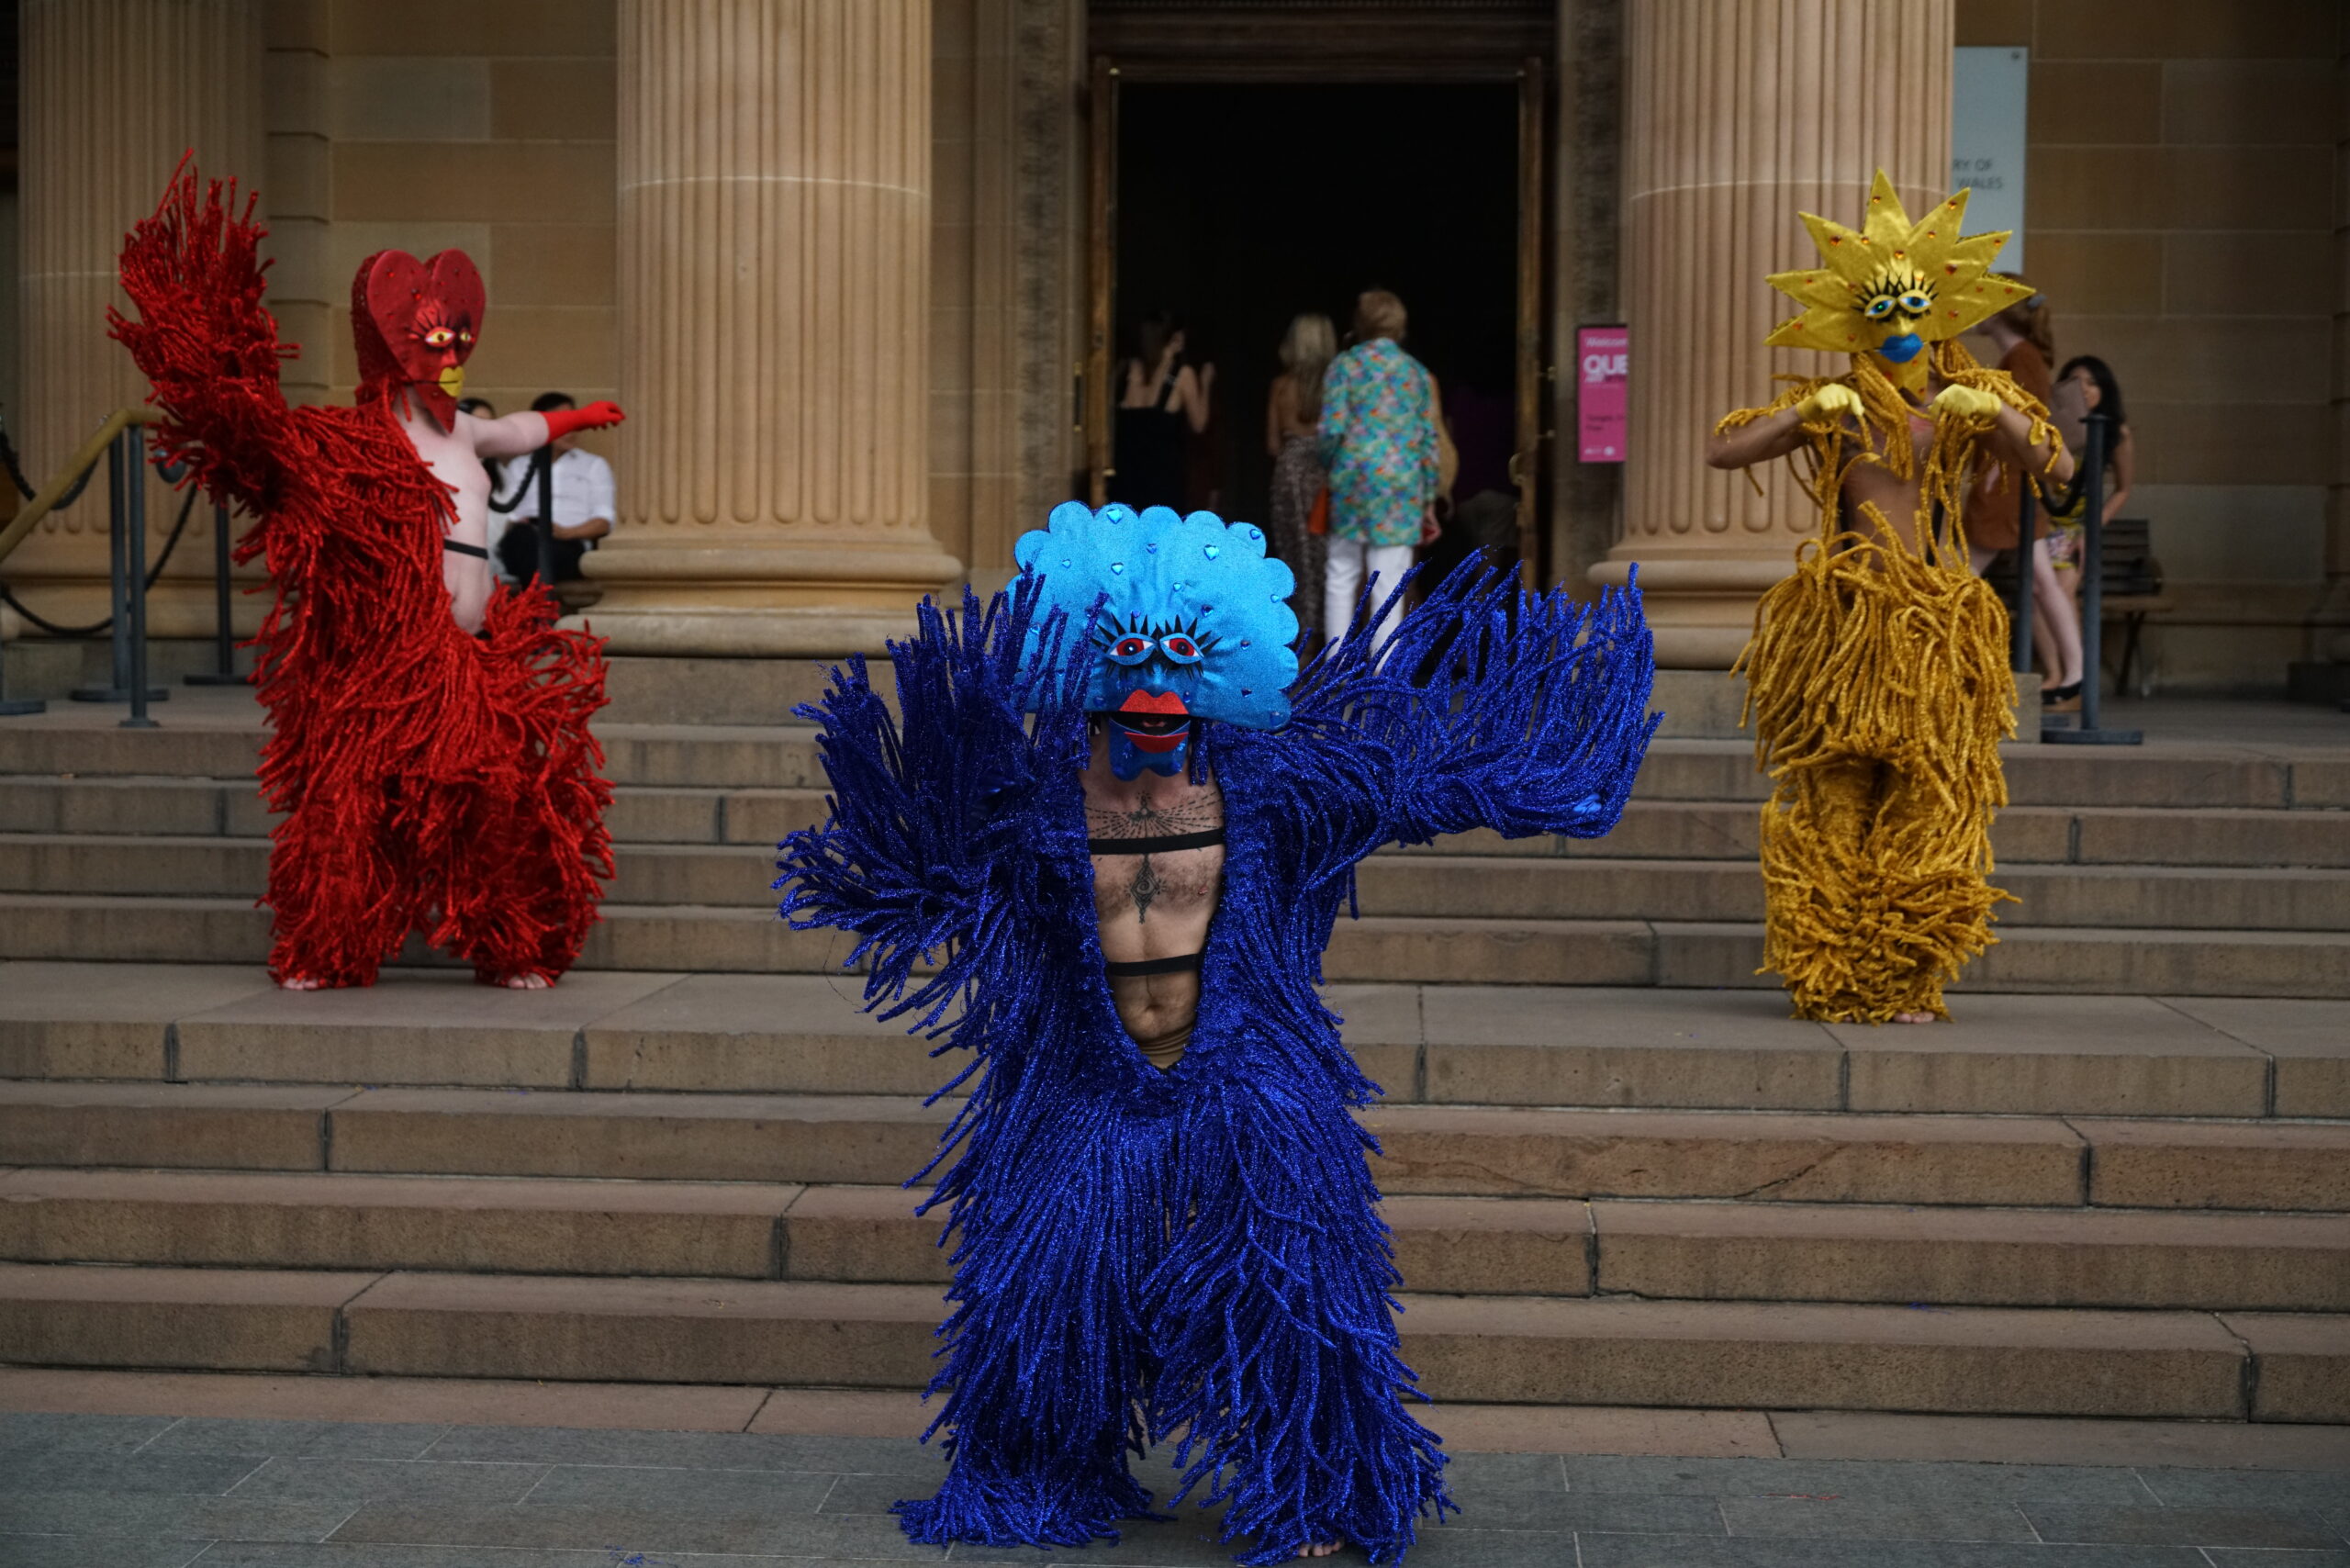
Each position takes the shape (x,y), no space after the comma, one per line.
(1194,623)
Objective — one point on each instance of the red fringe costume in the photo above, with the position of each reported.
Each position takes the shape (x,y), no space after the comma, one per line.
(431,780)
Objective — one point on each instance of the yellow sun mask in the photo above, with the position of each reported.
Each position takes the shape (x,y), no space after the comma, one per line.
(1893,286)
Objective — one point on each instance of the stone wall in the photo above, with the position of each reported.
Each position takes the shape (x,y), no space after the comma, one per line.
(440,123)
(2179,208)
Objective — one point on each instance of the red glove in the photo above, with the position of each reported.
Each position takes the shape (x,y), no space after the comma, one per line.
(561,423)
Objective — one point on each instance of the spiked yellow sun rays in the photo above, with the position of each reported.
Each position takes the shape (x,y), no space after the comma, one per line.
(1890,256)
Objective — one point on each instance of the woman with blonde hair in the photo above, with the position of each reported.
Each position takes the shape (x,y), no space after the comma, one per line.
(1379,436)
(1292,412)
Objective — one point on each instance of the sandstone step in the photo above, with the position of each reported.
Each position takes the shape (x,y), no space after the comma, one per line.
(462,1224)
(2056,959)
(519,1226)
(1431,1149)
(1694,1250)
(880,1140)
(711,756)
(1637,1047)
(207,1319)
(1460,886)
(1592,887)
(2162,774)
(1759,1355)
(2184,963)
(1507,1350)
(1650,829)
(1971,1257)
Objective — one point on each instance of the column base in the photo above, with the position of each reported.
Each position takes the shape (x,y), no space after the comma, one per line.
(817,631)
(813,599)
(1701,609)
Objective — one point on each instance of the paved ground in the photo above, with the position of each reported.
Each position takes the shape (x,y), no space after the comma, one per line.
(128,1491)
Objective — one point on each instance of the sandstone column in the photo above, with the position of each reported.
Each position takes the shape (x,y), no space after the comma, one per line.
(774,301)
(114,92)
(1738,113)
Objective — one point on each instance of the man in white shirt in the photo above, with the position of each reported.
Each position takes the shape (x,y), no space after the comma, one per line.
(583,506)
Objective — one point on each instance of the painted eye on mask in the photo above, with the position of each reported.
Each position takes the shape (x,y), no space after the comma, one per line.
(1131,649)
(1917,302)
(440,338)
(1879,307)
(1180,649)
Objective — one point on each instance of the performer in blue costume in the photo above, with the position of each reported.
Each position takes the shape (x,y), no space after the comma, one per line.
(1161,1216)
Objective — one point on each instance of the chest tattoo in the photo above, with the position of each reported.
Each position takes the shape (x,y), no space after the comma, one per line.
(1145,890)
(1154,817)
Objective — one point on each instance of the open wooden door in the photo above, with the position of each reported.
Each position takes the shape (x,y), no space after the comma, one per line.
(1526,455)
(1102,273)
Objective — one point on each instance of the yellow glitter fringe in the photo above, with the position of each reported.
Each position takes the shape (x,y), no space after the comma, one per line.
(1878,686)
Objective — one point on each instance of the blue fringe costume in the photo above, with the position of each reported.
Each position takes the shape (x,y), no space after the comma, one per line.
(1139,1252)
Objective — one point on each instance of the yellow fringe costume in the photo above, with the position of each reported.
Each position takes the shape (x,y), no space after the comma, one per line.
(1877,677)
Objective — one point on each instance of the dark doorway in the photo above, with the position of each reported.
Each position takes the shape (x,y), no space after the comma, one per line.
(1240,206)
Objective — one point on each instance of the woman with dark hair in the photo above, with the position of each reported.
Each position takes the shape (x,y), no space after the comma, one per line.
(2025,337)
(2086,384)
(1161,398)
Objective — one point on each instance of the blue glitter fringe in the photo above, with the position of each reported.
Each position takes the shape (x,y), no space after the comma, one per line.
(1197,1254)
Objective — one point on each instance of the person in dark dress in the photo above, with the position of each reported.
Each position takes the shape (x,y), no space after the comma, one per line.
(1161,400)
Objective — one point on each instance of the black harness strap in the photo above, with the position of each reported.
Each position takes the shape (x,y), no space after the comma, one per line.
(1154,965)
(1160,846)
(476,551)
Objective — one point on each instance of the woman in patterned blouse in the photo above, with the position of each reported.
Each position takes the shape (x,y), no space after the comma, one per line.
(1379,441)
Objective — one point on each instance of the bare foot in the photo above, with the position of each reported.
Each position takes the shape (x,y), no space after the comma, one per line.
(301,982)
(525,982)
(1327,1549)
(1913,1017)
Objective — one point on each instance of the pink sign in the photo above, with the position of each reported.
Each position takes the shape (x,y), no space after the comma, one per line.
(1603,361)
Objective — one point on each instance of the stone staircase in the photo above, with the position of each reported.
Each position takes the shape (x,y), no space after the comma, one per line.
(2127,1195)
(2182,869)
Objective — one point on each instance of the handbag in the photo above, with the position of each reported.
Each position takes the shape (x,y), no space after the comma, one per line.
(1317,518)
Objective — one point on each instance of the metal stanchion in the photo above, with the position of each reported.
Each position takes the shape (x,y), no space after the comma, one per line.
(2092,484)
(2027,524)
(224,634)
(124,453)
(134,507)
(544,459)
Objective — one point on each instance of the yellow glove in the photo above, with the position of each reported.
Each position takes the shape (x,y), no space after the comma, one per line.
(1966,403)
(1831,404)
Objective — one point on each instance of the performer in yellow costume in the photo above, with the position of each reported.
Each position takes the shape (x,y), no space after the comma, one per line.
(1877,679)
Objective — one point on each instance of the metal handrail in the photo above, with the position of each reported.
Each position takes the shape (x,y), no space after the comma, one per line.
(84,458)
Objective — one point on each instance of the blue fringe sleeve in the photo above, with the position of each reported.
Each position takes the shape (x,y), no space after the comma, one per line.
(942,824)
(1525,713)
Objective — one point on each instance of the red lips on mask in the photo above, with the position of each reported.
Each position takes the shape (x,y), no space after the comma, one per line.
(1166,705)
(414,324)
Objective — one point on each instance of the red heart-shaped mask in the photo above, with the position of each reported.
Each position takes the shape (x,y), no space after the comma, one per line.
(415,322)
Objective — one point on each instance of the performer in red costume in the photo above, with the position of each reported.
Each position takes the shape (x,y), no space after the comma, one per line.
(430,747)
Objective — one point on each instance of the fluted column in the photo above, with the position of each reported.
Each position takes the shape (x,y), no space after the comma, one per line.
(774,297)
(1738,114)
(114,92)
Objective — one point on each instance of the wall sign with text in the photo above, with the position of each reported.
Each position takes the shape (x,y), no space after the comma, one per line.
(1603,372)
(1988,89)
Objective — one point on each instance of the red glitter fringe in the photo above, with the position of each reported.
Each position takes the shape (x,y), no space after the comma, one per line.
(431,780)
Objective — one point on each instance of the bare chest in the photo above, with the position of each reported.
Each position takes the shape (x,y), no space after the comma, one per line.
(1157,854)
(453,462)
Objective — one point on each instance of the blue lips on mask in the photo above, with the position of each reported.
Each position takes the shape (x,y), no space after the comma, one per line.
(1901,350)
